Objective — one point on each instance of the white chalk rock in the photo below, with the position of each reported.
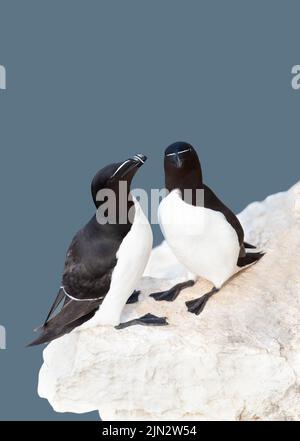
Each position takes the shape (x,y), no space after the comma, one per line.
(239,360)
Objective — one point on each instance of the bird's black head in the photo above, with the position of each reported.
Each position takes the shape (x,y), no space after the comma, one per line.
(110,176)
(182,168)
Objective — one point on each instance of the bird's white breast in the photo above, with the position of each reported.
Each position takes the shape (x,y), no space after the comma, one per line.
(201,238)
(132,257)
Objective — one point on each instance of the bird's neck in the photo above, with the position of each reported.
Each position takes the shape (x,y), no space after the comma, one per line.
(190,186)
(117,210)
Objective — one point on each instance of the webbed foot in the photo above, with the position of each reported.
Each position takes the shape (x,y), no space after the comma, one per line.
(134,297)
(171,294)
(196,306)
(145,320)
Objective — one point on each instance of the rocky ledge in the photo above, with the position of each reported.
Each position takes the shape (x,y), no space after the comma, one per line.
(239,360)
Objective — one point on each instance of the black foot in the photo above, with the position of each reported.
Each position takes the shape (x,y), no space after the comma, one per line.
(171,294)
(146,320)
(196,306)
(134,297)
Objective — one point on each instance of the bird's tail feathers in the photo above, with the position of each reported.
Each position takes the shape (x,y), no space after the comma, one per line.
(249,259)
(249,246)
(59,298)
(49,333)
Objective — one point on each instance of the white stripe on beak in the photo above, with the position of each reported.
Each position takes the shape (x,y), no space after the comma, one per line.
(136,157)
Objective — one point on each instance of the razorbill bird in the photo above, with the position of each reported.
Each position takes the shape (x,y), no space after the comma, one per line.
(104,261)
(204,234)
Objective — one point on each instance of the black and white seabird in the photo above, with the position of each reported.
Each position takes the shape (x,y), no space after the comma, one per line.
(104,261)
(204,234)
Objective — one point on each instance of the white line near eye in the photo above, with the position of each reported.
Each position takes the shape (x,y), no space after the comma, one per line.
(178,153)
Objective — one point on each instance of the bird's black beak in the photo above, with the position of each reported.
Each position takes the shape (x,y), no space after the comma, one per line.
(140,158)
(129,166)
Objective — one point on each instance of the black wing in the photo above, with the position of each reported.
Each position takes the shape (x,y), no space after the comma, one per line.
(90,259)
(89,264)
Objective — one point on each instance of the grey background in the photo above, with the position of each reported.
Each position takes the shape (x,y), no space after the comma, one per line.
(92,82)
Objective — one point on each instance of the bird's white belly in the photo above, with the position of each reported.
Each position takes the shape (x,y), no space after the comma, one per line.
(201,239)
(133,256)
